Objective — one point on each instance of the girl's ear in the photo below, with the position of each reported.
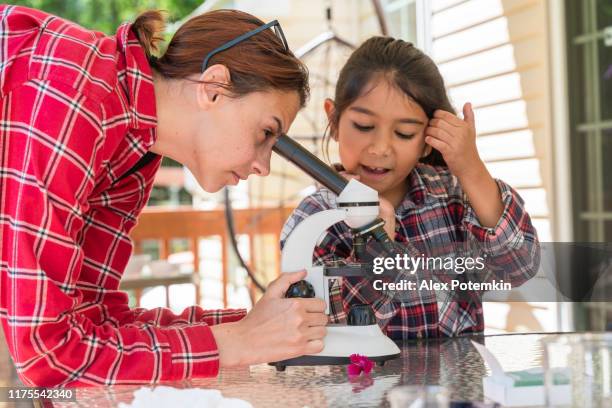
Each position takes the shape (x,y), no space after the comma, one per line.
(426,151)
(330,110)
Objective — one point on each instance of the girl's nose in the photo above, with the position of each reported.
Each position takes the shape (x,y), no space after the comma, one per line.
(380,146)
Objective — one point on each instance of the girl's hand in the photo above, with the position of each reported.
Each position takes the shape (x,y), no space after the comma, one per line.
(387,213)
(277,328)
(455,138)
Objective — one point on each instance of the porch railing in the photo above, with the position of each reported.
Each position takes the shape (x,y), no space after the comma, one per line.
(166,224)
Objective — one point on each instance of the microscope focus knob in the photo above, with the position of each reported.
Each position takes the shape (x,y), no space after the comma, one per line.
(361,315)
(301,289)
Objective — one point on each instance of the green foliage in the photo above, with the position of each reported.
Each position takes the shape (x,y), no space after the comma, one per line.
(107,15)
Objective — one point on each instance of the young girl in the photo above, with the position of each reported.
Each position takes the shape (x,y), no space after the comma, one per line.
(396,132)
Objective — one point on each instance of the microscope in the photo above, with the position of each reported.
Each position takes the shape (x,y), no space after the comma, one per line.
(358,207)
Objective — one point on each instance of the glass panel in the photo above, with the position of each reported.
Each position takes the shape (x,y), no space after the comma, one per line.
(604,14)
(587,169)
(410,24)
(605,79)
(402,20)
(591,231)
(606,152)
(608,231)
(394,21)
(578,84)
(574,12)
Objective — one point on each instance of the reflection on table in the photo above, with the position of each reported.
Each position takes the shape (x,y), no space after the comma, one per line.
(452,363)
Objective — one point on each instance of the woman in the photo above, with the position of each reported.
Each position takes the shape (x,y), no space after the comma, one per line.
(85,121)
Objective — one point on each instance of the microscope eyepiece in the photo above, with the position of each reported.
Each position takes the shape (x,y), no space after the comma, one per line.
(310,164)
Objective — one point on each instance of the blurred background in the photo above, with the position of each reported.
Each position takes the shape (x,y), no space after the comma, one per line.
(538,72)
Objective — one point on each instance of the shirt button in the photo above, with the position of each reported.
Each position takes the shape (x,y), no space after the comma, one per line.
(419,335)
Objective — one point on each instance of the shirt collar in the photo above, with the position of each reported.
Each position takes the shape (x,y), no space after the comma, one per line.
(417,193)
(136,78)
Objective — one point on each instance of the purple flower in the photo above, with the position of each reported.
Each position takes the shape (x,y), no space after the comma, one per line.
(359,364)
(608,73)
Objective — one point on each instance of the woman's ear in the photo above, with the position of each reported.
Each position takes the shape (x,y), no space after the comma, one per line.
(213,84)
(330,110)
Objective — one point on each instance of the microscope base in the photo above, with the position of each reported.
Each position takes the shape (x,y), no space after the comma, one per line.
(324,360)
(342,341)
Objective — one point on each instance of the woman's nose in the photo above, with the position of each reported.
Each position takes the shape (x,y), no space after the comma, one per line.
(261,165)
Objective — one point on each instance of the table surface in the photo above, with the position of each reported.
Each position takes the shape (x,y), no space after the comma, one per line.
(453,363)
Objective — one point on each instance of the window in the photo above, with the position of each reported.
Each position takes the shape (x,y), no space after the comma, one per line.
(408,20)
(590,102)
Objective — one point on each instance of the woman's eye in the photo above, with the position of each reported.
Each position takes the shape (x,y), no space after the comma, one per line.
(406,136)
(268,133)
(362,128)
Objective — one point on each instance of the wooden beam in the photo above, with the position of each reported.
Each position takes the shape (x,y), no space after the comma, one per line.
(163,223)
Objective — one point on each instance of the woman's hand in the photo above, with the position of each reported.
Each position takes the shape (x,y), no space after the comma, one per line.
(455,138)
(277,328)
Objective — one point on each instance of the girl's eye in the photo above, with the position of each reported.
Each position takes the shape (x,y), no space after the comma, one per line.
(406,136)
(362,128)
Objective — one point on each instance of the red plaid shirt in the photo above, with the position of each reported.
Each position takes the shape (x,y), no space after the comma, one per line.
(435,219)
(77,116)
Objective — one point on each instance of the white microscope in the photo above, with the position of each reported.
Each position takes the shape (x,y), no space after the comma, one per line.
(359,209)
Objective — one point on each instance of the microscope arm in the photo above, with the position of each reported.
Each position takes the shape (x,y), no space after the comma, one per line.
(300,244)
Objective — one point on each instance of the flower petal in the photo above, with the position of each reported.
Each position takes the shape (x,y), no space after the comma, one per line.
(353,369)
(355,358)
(367,365)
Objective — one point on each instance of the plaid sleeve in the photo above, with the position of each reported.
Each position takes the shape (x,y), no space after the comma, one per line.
(511,247)
(113,214)
(50,136)
(121,315)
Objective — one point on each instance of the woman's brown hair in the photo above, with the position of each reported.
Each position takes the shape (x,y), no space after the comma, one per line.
(257,64)
(405,67)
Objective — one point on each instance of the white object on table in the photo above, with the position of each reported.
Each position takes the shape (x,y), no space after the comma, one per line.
(163,396)
(501,387)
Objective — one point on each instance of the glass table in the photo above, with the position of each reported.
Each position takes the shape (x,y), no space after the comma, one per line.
(452,363)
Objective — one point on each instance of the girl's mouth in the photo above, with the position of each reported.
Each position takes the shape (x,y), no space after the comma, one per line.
(374,172)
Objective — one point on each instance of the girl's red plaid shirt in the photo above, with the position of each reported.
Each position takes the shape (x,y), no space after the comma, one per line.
(434,219)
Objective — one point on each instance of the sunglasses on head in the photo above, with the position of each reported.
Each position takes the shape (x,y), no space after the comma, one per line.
(275,25)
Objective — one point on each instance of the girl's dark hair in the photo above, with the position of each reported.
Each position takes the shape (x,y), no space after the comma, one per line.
(260,63)
(405,67)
